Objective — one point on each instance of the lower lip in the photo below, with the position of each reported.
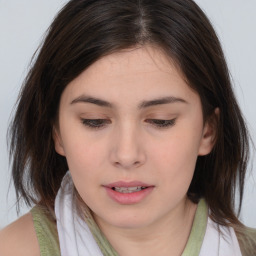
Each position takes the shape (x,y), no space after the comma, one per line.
(129,198)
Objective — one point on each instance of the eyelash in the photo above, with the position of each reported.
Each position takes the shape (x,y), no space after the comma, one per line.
(95,123)
(162,123)
(100,123)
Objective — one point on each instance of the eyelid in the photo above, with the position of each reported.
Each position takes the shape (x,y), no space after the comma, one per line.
(95,123)
(162,123)
(98,123)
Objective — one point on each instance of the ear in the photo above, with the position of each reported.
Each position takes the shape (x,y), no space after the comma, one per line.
(209,134)
(57,141)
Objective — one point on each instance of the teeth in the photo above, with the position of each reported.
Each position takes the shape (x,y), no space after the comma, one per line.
(128,190)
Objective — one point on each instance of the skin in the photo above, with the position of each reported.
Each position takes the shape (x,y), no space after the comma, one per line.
(19,238)
(130,146)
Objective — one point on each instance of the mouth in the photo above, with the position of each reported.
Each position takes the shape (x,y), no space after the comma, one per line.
(126,190)
(128,187)
(127,193)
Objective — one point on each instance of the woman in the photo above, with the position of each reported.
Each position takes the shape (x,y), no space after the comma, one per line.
(128,138)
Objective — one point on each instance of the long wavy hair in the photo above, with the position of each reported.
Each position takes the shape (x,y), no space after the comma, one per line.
(86,30)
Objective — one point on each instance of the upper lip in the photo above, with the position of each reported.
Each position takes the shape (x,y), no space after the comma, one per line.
(125,184)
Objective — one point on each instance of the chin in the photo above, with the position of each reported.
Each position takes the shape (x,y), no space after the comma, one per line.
(131,221)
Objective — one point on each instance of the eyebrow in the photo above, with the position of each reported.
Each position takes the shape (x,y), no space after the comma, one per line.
(161,101)
(88,99)
(143,104)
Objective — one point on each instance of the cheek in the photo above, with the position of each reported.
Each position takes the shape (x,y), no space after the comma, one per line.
(85,165)
(176,157)
(84,156)
(178,150)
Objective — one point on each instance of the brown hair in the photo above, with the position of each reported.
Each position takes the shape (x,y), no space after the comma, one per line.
(86,30)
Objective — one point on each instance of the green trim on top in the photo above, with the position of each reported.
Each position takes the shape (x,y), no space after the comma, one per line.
(197,233)
(46,232)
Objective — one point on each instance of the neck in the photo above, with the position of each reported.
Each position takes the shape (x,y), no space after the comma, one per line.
(167,236)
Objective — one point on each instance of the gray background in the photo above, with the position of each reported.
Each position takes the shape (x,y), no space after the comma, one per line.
(23,23)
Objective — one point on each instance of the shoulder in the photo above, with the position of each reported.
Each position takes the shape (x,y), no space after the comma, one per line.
(19,238)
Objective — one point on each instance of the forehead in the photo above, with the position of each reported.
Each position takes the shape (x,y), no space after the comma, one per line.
(146,59)
(136,73)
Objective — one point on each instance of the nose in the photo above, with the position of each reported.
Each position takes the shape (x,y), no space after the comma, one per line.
(127,151)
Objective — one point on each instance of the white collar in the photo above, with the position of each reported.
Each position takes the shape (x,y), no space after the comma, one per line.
(75,236)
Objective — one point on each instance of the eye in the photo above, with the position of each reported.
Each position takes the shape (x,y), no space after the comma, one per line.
(95,123)
(159,123)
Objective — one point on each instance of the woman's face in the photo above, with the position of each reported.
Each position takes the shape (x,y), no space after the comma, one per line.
(131,130)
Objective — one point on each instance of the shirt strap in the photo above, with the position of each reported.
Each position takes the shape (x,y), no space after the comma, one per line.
(46,232)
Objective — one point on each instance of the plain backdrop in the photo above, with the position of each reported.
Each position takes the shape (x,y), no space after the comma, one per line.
(22,26)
